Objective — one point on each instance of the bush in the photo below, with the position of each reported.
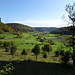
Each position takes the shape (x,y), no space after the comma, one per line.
(6,45)
(66,57)
(51,42)
(47,47)
(41,40)
(57,53)
(62,52)
(24,52)
(44,55)
(7,69)
(13,50)
(1,43)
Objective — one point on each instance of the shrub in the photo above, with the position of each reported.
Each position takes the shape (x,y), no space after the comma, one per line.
(6,45)
(62,52)
(13,50)
(57,53)
(7,69)
(24,52)
(44,55)
(47,47)
(41,40)
(1,43)
(51,42)
(66,57)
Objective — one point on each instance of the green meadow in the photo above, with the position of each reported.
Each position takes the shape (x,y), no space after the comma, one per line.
(27,64)
(28,41)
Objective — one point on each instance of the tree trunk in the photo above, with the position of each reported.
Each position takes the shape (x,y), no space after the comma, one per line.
(74,61)
(36,57)
(73,46)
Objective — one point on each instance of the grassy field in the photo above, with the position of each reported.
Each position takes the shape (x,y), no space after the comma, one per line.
(28,42)
(27,64)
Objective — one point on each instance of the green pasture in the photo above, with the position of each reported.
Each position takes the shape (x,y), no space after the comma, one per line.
(28,42)
(29,38)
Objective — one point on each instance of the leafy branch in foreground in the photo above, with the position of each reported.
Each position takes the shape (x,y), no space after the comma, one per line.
(7,69)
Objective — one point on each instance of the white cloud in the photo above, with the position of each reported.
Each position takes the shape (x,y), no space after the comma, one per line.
(43,23)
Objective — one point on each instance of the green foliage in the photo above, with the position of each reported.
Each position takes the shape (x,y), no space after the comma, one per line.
(51,42)
(36,50)
(44,55)
(24,52)
(41,40)
(13,50)
(47,47)
(57,53)
(1,43)
(40,36)
(2,37)
(7,69)
(6,45)
(66,57)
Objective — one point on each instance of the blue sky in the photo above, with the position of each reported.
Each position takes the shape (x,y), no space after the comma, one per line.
(35,13)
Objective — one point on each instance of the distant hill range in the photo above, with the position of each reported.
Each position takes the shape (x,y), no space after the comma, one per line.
(64,30)
(20,27)
(45,29)
(16,27)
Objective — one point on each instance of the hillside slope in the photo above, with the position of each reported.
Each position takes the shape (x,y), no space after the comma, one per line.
(20,27)
(5,28)
(45,29)
(63,30)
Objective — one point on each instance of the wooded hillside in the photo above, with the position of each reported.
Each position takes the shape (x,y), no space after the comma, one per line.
(5,28)
(63,30)
(20,27)
(45,29)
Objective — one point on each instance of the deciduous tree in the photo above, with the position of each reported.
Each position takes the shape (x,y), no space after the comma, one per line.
(71,11)
(47,47)
(36,50)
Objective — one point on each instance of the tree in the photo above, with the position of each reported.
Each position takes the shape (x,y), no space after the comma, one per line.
(47,47)
(6,45)
(36,50)
(65,57)
(13,50)
(71,11)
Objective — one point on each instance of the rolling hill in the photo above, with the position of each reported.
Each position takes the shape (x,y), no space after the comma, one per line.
(5,28)
(63,30)
(45,29)
(20,27)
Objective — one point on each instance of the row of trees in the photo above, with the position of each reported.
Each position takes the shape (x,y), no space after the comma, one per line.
(11,47)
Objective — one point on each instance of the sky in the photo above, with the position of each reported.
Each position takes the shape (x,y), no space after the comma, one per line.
(34,13)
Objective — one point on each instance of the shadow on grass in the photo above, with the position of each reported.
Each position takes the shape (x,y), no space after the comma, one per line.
(39,68)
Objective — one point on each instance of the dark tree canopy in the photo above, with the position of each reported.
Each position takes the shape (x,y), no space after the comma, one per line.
(36,50)
(47,47)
